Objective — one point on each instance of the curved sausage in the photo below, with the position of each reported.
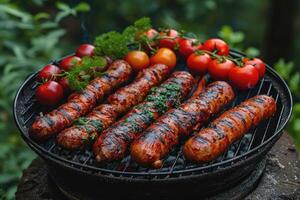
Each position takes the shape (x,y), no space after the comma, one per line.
(81,103)
(211,142)
(112,144)
(120,102)
(159,138)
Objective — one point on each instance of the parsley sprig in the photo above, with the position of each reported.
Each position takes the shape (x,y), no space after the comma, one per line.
(116,45)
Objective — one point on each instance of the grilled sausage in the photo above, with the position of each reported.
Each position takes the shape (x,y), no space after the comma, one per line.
(159,138)
(210,142)
(118,103)
(113,142)
(200,87)
(81,103)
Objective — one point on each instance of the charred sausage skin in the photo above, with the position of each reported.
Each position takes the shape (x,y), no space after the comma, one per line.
(159,138)
(112,144)
(118,103)
(81,103)
(210,142)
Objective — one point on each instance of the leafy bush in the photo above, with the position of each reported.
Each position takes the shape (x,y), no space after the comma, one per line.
(27,42)
(287,71)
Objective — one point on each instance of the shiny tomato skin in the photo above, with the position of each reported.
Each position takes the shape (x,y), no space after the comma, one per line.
(218,45)
(188,46)
(69,62)
(258,64)
(138,60)
(85,50)
(164,56)
(64,82)
(49,72)
(220,69)
(150,34)
(171,41)
(198,63)
(245,77)
(49,93)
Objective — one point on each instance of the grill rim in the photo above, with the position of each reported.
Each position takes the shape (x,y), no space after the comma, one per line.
(90,169)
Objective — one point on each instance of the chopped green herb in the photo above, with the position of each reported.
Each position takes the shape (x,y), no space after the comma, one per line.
(86,123)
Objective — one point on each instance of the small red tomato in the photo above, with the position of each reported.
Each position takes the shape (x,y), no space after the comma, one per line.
(67,63)
(188,46)
(49,93)
(198,63)
(164,56)
(218,45)
(258,64)
(244,77)
(85,50)
(64,82)
(170,39)
(151,33)
(138,60)
(219,69)
(49,72)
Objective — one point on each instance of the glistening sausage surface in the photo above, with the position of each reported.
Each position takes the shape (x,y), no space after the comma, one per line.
(112,144)
(210,142)
(120,102)
(81,103)
(159,138)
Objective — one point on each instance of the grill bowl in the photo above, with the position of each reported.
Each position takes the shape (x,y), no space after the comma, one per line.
(235,164)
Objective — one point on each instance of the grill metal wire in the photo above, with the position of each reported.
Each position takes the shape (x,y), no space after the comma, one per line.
(175,165)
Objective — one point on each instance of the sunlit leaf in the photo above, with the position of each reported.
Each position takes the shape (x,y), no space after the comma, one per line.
(82,7)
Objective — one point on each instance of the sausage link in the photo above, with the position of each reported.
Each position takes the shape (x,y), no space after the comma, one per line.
(81,103)
(112,144)
(120,102)
(211,142)
(159,138)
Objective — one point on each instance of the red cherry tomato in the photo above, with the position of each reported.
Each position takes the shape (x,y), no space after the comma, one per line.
(85,50)
(69,62)
(49,93)
(244,77)
(188,46)
(219,69)
(171,39)
(218,45)
(258,64)
(49,72)
(138,60)
(164,56)
(150,34)
(64,82)
(198,63)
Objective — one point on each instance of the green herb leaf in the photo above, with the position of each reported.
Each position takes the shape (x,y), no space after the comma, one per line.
(80,75)
(115,44)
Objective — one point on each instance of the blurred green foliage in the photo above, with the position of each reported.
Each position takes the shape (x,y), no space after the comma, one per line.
(292,77)
(27,42)
(30,39)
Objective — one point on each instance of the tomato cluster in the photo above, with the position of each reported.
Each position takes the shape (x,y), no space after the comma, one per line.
(54,85)
(212,56)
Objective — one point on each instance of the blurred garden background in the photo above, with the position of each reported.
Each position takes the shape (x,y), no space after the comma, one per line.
(34,32)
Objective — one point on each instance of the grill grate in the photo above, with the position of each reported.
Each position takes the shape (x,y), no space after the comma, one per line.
(175,164)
